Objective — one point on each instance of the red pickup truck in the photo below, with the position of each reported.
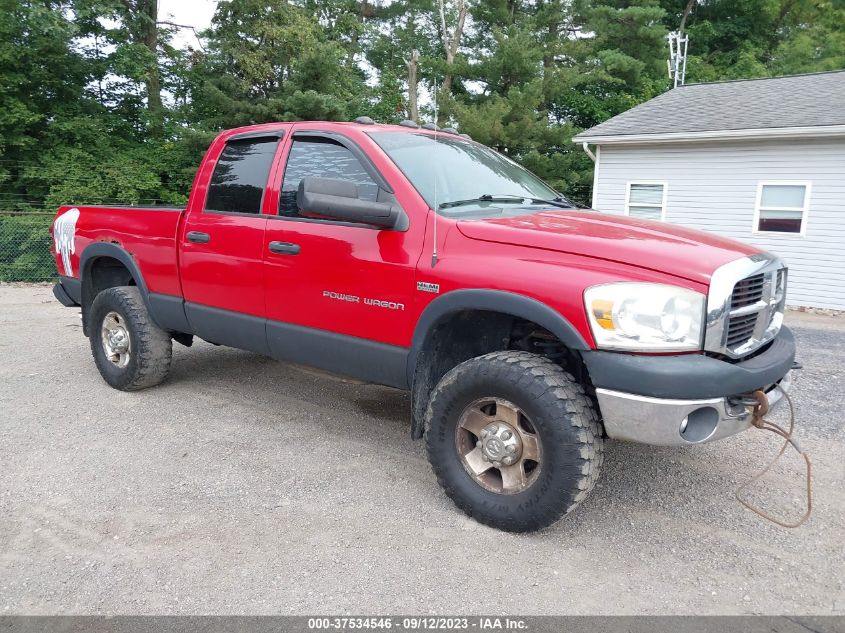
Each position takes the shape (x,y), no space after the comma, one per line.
(527,329)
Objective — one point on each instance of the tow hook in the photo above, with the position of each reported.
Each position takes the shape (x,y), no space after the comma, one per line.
(760,402)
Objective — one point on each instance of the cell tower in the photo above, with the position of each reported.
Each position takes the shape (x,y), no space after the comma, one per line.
(677,62)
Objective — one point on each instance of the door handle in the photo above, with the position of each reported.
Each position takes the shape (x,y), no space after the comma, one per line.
(284,248)
(198,237)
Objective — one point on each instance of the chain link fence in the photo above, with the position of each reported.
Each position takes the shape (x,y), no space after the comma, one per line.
(25,247)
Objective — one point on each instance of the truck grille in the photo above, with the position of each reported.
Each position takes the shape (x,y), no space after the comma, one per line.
(748,291)
(745,305)
(756,302)
(741,328)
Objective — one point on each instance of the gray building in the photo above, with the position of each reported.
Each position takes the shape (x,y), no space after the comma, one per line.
(761,161)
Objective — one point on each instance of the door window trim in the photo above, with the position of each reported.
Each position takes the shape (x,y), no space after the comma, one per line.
(354,148)
(243,136)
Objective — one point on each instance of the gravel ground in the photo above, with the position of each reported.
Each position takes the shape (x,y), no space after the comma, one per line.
(243,485)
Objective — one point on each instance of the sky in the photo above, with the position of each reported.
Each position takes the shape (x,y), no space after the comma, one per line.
(196,13)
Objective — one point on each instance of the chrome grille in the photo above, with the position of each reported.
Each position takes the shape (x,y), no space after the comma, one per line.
(745,305)
(741,328)
(748,291)
(780,285)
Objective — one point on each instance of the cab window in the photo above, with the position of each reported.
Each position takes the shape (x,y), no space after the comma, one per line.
(323,158)
(240,176)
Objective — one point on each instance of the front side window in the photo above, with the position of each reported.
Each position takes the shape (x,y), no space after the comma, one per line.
(240,176)
(323,158)
(446,170)
(781,207)
(646,200)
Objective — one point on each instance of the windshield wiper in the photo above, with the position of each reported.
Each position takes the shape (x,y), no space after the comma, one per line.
(563,202)
(487,197)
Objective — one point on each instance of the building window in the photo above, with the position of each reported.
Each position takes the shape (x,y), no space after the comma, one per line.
(646,200)
(782,207)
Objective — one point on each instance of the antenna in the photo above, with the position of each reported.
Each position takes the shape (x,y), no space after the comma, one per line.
(677,62)
(434,228)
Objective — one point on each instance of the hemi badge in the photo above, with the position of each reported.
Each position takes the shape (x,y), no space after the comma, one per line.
(424,286)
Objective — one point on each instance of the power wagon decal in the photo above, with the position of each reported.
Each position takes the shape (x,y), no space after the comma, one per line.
(340,296)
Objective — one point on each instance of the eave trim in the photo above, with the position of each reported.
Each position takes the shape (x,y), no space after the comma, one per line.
(815,131)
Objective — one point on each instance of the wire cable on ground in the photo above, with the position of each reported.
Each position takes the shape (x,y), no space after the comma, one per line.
(761,408)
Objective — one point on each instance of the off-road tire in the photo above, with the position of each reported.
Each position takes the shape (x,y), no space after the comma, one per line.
(151,352)
(563,416)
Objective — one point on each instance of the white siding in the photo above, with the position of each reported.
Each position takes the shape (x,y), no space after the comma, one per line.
(713,186)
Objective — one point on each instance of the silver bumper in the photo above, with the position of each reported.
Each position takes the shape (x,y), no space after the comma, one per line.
(666,422)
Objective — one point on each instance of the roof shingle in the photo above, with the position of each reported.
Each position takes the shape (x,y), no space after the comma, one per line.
(781,102)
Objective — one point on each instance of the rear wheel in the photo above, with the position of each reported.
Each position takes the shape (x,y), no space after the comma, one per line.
(513,440)
(130,350)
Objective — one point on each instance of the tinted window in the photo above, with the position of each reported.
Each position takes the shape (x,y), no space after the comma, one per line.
(323,158)
(240,177)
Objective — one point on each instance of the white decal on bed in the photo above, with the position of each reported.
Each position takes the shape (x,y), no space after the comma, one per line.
(64,234)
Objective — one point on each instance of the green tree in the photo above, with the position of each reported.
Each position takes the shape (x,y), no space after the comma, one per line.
(393,33)
(815,39)
(270,60)
(42,82)
(538,72)
(740,39)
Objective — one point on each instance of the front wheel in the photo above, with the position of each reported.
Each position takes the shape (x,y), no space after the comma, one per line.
(513,440)
(130,350)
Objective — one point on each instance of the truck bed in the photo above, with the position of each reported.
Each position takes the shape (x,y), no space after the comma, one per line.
(148,234)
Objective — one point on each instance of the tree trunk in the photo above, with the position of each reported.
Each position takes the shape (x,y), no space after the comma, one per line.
(686,14)
(549,61)
(413,108)
(452,44)
(148,19)
(363,9)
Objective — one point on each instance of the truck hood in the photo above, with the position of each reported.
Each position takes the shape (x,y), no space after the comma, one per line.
(658,246)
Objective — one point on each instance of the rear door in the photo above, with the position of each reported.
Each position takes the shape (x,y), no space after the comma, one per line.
(222,240)
(339,295)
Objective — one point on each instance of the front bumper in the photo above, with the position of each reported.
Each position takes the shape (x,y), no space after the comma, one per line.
(665,422)
(697,399)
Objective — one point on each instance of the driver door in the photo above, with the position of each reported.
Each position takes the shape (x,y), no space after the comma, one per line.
(336,291)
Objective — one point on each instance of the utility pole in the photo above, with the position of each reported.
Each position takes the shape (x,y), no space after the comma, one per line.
(677,62)
(678,41)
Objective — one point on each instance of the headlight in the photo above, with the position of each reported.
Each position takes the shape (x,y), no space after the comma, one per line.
(645,317)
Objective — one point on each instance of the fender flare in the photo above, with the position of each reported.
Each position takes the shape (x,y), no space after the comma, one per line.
(166,311)
(500,301)
(114,251)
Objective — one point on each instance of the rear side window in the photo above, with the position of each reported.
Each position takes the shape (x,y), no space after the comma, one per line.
(324,158)
(240,176)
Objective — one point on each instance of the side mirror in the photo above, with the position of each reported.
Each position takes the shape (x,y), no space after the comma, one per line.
(338,199)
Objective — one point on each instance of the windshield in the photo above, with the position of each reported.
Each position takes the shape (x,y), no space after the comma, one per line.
(462,172)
